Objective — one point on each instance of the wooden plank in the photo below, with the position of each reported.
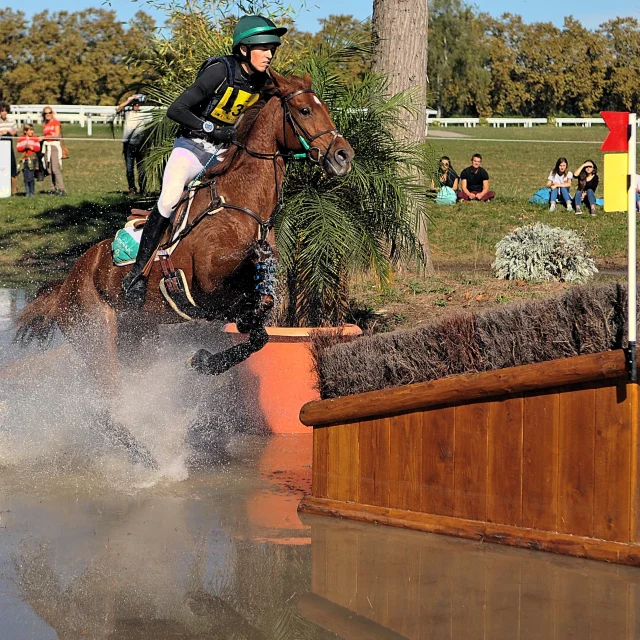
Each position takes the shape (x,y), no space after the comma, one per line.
(438,490)
(346,455)
(502,586)
(373,454)
(333,462)
(540,461)
(504,461)
(612,482)
(465,388)
(405,461)
(569,544)
(470,459)
(576,462)
(320,470)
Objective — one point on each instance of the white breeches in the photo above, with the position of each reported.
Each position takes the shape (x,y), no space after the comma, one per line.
(182,167)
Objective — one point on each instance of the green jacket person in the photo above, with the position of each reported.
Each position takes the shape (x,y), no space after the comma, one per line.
(207,112)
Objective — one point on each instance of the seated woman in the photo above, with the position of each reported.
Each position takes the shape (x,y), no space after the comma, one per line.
(446,176)
(559,181)
(587,184)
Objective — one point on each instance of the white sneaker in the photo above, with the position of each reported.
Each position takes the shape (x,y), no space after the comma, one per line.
(552,207)
(569,207)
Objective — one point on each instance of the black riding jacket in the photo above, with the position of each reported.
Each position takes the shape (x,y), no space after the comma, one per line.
(211,97)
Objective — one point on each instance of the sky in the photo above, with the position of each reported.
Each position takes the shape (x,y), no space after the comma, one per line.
(590,14)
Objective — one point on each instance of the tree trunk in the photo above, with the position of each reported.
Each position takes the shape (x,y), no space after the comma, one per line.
(400,29)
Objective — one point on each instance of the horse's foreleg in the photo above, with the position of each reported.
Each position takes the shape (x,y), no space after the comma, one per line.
(214,364)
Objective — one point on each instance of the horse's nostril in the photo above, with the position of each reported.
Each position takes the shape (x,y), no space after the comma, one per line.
(342,156)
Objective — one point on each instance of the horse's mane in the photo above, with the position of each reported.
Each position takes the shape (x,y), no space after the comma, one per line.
(246,124)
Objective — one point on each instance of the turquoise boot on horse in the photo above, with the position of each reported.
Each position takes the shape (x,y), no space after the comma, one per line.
(134,284)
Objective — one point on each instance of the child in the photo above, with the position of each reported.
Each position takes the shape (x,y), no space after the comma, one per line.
(29,146)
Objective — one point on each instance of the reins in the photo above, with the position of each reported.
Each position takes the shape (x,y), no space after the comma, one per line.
(216,203)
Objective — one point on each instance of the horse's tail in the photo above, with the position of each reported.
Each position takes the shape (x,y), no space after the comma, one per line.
(38,319)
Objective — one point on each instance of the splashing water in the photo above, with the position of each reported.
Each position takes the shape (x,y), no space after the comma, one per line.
(49,404)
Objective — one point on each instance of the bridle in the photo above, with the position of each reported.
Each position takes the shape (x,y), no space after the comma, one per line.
(305,138)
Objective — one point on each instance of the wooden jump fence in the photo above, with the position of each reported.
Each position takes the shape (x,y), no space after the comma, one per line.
(542,456)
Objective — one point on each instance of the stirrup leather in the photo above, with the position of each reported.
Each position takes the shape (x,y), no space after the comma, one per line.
(175,290)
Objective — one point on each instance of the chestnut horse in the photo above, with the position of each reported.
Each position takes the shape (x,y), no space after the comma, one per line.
(88,305)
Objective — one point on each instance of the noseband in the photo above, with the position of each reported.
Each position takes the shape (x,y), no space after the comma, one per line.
(305,138)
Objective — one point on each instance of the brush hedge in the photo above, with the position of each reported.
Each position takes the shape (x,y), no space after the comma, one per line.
(586,319)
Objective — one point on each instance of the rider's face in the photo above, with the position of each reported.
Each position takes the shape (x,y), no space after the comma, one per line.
(261,56)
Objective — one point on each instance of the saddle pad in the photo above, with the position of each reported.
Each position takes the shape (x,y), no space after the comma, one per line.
(126,243)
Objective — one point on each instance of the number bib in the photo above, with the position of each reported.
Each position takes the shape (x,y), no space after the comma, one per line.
(233,104)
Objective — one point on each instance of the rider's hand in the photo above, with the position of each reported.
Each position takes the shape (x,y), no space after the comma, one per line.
(223,135)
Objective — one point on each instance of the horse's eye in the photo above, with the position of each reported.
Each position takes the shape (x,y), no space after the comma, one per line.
(305,111)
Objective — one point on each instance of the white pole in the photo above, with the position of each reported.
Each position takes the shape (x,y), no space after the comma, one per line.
(632,267)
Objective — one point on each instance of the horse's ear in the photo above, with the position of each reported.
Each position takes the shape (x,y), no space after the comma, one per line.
(278,80)
(307,80)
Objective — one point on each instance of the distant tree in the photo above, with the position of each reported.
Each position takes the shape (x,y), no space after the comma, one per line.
(622,42)
(71,58)
(458,75)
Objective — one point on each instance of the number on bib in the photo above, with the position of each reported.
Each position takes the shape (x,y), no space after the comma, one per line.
(233,104)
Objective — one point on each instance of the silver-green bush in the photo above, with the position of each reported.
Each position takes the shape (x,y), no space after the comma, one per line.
(541,252)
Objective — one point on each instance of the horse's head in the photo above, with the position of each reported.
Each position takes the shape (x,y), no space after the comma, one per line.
(308,127)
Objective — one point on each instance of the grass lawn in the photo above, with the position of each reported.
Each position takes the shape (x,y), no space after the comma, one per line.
(518,161)
(40,238)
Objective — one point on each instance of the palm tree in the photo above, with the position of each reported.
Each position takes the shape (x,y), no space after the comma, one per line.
(329,228)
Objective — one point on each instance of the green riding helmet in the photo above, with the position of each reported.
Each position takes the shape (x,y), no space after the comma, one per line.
(252,30)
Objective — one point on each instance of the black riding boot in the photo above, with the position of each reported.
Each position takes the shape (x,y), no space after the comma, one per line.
(134,284)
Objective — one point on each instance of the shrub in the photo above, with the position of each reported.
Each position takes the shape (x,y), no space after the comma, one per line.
(586,319)
(541,252)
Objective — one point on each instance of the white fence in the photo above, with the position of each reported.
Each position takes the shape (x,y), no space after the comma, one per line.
(583,122)
(504,122)
(84,115)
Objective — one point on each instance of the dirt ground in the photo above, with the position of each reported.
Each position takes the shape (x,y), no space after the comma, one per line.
(414,300)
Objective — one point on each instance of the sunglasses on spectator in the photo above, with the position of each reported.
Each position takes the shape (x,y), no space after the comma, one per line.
(47,113)
(444,164)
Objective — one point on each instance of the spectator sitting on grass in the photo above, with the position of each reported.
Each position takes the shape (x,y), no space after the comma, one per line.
(559,181)
(446,176)
(29,146)
(587,184)
(474,182)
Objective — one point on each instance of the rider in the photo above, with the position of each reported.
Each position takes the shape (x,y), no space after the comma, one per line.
(207,112)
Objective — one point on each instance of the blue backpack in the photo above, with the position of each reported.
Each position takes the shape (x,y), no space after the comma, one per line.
(446,195)
(541,196)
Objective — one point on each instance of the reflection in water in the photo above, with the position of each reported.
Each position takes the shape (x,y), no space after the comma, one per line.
(84,553)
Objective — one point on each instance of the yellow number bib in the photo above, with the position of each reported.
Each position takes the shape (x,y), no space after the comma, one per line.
(233,104)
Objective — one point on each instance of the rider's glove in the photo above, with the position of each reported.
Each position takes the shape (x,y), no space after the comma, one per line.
(219,135)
